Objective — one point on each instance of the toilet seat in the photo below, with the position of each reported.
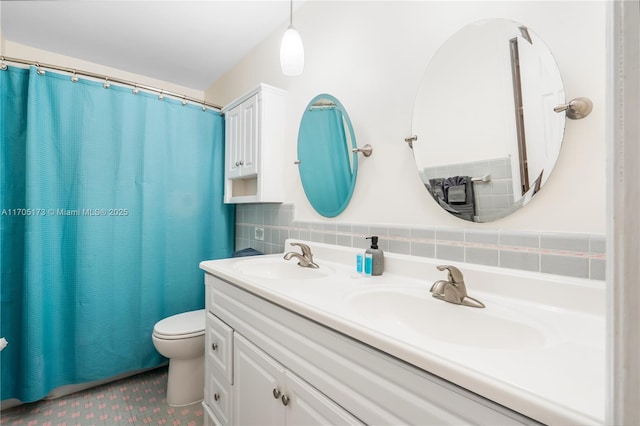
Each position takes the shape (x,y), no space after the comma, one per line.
(181,326)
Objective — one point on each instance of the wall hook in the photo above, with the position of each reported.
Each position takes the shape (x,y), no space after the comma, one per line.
(576,108)
(366,150)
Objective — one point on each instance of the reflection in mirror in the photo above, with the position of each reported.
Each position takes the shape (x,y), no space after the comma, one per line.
(487,134)
(327,165)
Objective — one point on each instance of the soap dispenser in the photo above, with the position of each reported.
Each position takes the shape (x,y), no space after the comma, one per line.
(377,256)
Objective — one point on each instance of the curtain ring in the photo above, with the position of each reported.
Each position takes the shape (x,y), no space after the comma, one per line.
(40,70)
(106,84)
(74,77)
(161,95)
(135,89)
(184,100)
(204,108)
(3,66)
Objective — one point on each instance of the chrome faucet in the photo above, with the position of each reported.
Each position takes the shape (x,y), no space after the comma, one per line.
(453,290)
(305,259)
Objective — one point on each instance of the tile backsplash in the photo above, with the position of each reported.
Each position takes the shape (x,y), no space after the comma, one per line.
(576,255)
(492,197)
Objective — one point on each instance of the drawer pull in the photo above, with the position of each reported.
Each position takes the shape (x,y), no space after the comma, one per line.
(214,346)
(276,393)
(285,399)
(216,396)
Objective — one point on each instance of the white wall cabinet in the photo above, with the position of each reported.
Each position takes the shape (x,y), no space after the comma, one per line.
(254,128)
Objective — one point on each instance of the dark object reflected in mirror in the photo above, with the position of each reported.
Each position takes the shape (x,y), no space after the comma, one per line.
(487,133)
(326,163)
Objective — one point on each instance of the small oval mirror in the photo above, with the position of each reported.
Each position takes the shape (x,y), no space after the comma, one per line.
(487,133)
(327,165)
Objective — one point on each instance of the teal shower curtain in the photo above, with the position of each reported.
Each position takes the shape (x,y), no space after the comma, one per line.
(109,200)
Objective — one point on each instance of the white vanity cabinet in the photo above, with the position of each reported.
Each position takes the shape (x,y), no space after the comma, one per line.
(327,377)
(254,128)
(245,386)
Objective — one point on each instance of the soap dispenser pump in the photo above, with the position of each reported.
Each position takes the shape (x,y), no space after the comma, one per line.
(377,256)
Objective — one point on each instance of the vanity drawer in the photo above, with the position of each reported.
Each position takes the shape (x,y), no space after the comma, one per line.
(219,347)
(217,395)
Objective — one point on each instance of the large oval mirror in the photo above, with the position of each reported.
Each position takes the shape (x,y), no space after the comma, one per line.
(487,135)
(327,165)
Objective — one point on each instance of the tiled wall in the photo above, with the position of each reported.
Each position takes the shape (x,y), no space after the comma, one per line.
(576,255)
(492,197)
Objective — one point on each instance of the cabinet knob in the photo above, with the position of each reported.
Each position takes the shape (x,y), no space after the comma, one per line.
(216,396)
(241,162)
(214,346)
(276,393)
(285,399)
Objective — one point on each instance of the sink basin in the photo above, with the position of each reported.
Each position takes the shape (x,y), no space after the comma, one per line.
(416,314)
(280,269)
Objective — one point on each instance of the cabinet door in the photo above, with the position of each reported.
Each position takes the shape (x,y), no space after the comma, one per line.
(250,136)
(307,406)
(233,142)
(256,375)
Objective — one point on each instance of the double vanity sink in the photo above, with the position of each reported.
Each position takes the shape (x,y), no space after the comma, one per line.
(537,348)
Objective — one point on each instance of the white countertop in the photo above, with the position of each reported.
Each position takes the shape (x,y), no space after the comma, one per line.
(538,346)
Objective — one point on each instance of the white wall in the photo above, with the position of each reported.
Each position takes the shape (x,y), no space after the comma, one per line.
(21,51)
(372,55)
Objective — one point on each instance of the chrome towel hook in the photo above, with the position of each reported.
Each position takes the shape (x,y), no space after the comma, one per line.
(576,108)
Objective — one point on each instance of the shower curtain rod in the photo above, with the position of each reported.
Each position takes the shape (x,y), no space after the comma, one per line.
(108,79)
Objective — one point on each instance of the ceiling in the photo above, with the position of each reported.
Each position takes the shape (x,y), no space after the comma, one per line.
(190,43)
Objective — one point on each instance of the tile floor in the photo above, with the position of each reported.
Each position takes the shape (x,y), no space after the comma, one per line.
(135,400)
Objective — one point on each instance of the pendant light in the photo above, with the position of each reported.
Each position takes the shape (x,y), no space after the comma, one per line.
(291,50)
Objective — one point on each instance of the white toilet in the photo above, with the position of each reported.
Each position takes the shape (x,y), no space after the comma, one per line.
(181,339)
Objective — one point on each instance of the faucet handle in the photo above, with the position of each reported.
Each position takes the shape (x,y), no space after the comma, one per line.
(306,251)
(455,275)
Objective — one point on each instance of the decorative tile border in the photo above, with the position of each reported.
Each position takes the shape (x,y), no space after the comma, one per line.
(576,255)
